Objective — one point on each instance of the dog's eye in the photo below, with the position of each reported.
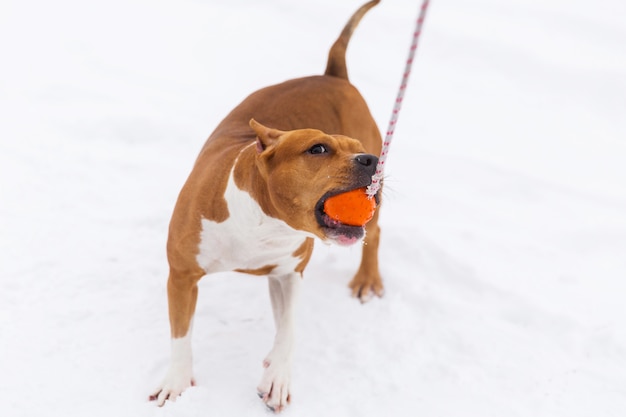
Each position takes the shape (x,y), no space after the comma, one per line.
(317,149)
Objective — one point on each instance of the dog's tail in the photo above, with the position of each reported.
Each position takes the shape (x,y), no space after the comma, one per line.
(336,65)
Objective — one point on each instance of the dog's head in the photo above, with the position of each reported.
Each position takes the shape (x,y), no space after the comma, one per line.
(304,167)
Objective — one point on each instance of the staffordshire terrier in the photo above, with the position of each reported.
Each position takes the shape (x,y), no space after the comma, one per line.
(254,202)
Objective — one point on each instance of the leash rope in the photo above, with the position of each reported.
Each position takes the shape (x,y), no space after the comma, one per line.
(374,187)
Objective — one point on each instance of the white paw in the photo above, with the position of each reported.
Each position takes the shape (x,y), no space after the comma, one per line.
(274,388)
(174,383)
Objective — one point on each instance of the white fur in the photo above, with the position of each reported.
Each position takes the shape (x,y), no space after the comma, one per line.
(179,375)
(275,384)
(248,239)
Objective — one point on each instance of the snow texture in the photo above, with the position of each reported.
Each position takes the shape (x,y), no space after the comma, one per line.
(504,218)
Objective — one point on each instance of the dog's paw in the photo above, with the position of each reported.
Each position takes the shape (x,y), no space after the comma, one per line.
(366,286)
(171,388)
(274,388)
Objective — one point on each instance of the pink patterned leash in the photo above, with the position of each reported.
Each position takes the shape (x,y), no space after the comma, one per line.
(373,188)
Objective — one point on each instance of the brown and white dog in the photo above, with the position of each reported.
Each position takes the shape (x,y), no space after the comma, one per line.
(254,202)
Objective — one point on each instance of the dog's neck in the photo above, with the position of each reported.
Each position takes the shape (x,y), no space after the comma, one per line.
(248,178)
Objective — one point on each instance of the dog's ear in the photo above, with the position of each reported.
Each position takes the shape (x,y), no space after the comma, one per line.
(265,136)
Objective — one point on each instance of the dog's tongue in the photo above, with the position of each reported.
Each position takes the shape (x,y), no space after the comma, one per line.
(352,208)
(344,240)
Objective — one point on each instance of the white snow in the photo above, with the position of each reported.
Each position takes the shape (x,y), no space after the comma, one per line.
(504,222)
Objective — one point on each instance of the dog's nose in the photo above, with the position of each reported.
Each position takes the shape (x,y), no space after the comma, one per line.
(366,159)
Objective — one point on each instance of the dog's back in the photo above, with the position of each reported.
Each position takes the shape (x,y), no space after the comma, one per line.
(327,102)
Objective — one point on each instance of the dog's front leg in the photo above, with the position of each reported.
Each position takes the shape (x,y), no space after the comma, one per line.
(367,282)
(182,294)
(274,388)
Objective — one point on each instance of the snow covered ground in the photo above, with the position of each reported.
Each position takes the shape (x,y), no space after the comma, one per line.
(504,224)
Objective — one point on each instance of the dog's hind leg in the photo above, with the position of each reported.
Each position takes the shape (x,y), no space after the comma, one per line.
(274,388)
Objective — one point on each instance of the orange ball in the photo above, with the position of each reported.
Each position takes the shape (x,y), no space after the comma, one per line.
(353,208)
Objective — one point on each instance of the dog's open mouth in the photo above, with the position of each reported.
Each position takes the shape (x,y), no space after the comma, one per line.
(335,230)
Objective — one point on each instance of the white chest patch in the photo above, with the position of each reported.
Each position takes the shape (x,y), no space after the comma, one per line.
(248,239)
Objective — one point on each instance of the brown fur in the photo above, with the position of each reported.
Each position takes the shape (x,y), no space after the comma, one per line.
(304,252)
(264,270)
